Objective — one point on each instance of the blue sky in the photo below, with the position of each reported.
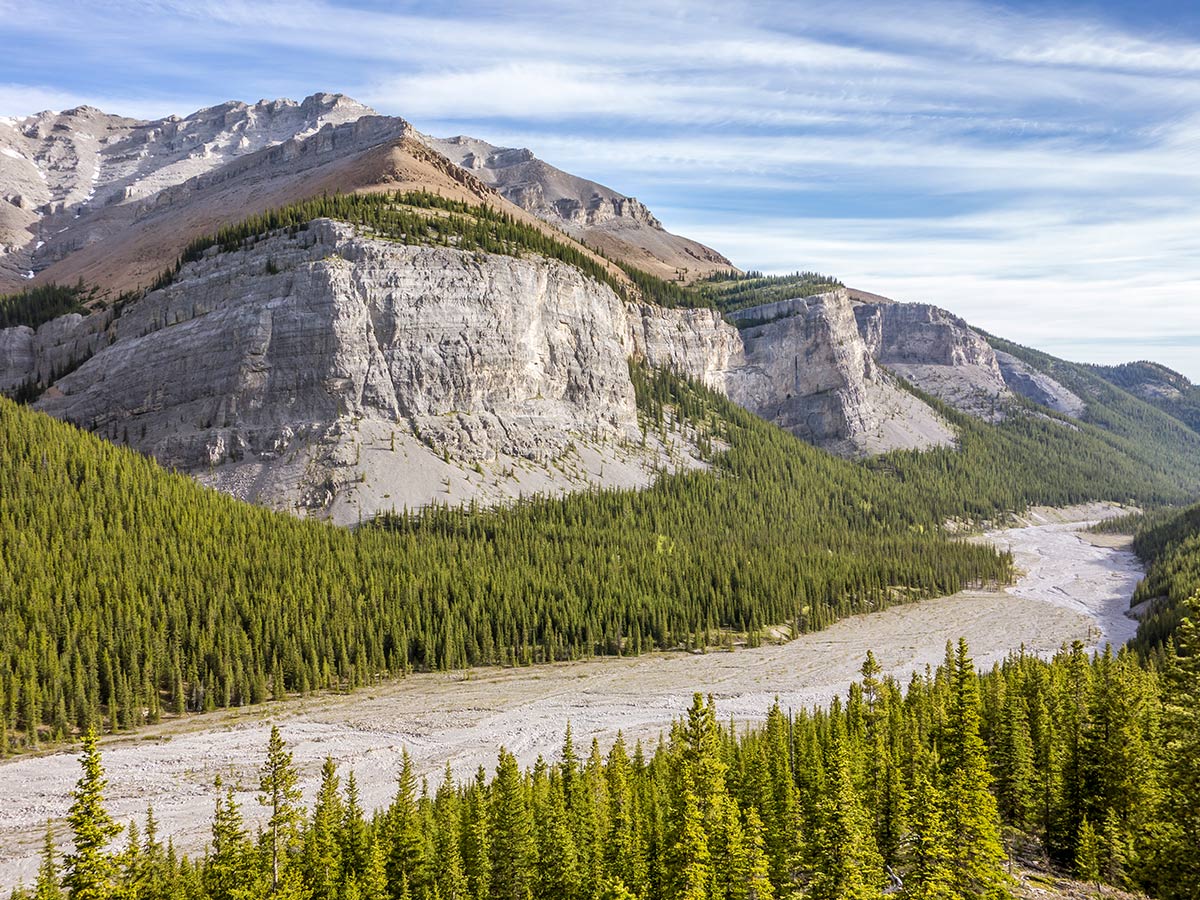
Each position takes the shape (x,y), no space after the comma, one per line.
(1034,167)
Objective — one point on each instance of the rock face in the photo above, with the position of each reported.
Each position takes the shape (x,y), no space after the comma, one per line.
(40,357)
(483,355)
(937,352)
(111,199)
(341,375)
(809,370)
(1038,386)
(57,169)
(697,343)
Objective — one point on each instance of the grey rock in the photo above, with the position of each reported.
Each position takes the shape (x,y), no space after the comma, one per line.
(1038,386)
(937,352)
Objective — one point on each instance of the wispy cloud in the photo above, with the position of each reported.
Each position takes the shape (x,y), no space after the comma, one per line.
(1030,168)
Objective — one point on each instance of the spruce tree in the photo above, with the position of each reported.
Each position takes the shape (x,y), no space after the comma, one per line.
(406,860)
(91,868)
(48,886)
(928,874)
(513,849)
(758,867)
(1174,865)
(689,866)
(323,849)
(977,855)
(1087,853)
(844,860)
(228,870)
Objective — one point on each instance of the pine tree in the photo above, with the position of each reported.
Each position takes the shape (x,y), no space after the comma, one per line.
(406,861)
(450,878)
(558,861)
(280,793)
(1174,866)
(91,868)
(227,873)
(928,875)
(477,839)
(689,867)
(1087,854)
(1013,762)
(373,884)
(758,867)
(845,862)
(323,851)
(730,857)
(354,839)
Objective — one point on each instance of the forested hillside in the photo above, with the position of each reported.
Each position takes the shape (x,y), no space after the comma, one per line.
(1159,386)
(918,793)
(137,592)
(1168,542)
(1134,428)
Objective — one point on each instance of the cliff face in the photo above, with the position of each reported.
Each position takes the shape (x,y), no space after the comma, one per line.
(810,371)
(937,352)
(29,357)
(302,351)
(340,375)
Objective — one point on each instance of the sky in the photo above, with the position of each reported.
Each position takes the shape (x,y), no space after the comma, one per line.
(1031,166)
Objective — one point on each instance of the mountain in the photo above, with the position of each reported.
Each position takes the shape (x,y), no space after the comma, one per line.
(442,330)
(1159,386)
(619,226)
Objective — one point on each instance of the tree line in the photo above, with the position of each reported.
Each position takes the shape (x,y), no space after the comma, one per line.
(917,791)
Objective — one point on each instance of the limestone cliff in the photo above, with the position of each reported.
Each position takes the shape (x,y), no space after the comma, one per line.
(275,372)
(338,375)
(809,370)
(937,352)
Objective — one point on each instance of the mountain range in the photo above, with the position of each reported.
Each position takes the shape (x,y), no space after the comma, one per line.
(341,370)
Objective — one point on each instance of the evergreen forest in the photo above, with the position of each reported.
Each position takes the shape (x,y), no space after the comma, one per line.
(925,790)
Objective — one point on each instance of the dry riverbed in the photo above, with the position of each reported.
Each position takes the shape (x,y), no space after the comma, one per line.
(1069,588)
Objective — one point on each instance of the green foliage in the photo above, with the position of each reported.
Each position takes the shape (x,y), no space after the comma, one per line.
(137,589)
(728,291)
(1159,386)
(91,870)
(38,305)
(1173,865)
(280,793)
(1127,427)
(140,590)
(1168,542)
(693,818)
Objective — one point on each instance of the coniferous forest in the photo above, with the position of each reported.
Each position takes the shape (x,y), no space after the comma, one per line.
(138,593)
(916,791)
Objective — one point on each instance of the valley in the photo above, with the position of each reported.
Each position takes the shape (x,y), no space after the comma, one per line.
(402,455)
(1069,588)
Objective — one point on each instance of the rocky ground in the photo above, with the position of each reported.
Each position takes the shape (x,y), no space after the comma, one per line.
(1069,589)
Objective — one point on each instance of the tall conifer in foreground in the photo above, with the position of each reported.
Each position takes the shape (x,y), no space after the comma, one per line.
(977,855)
(1175,837)
(91,868)
(279,784)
